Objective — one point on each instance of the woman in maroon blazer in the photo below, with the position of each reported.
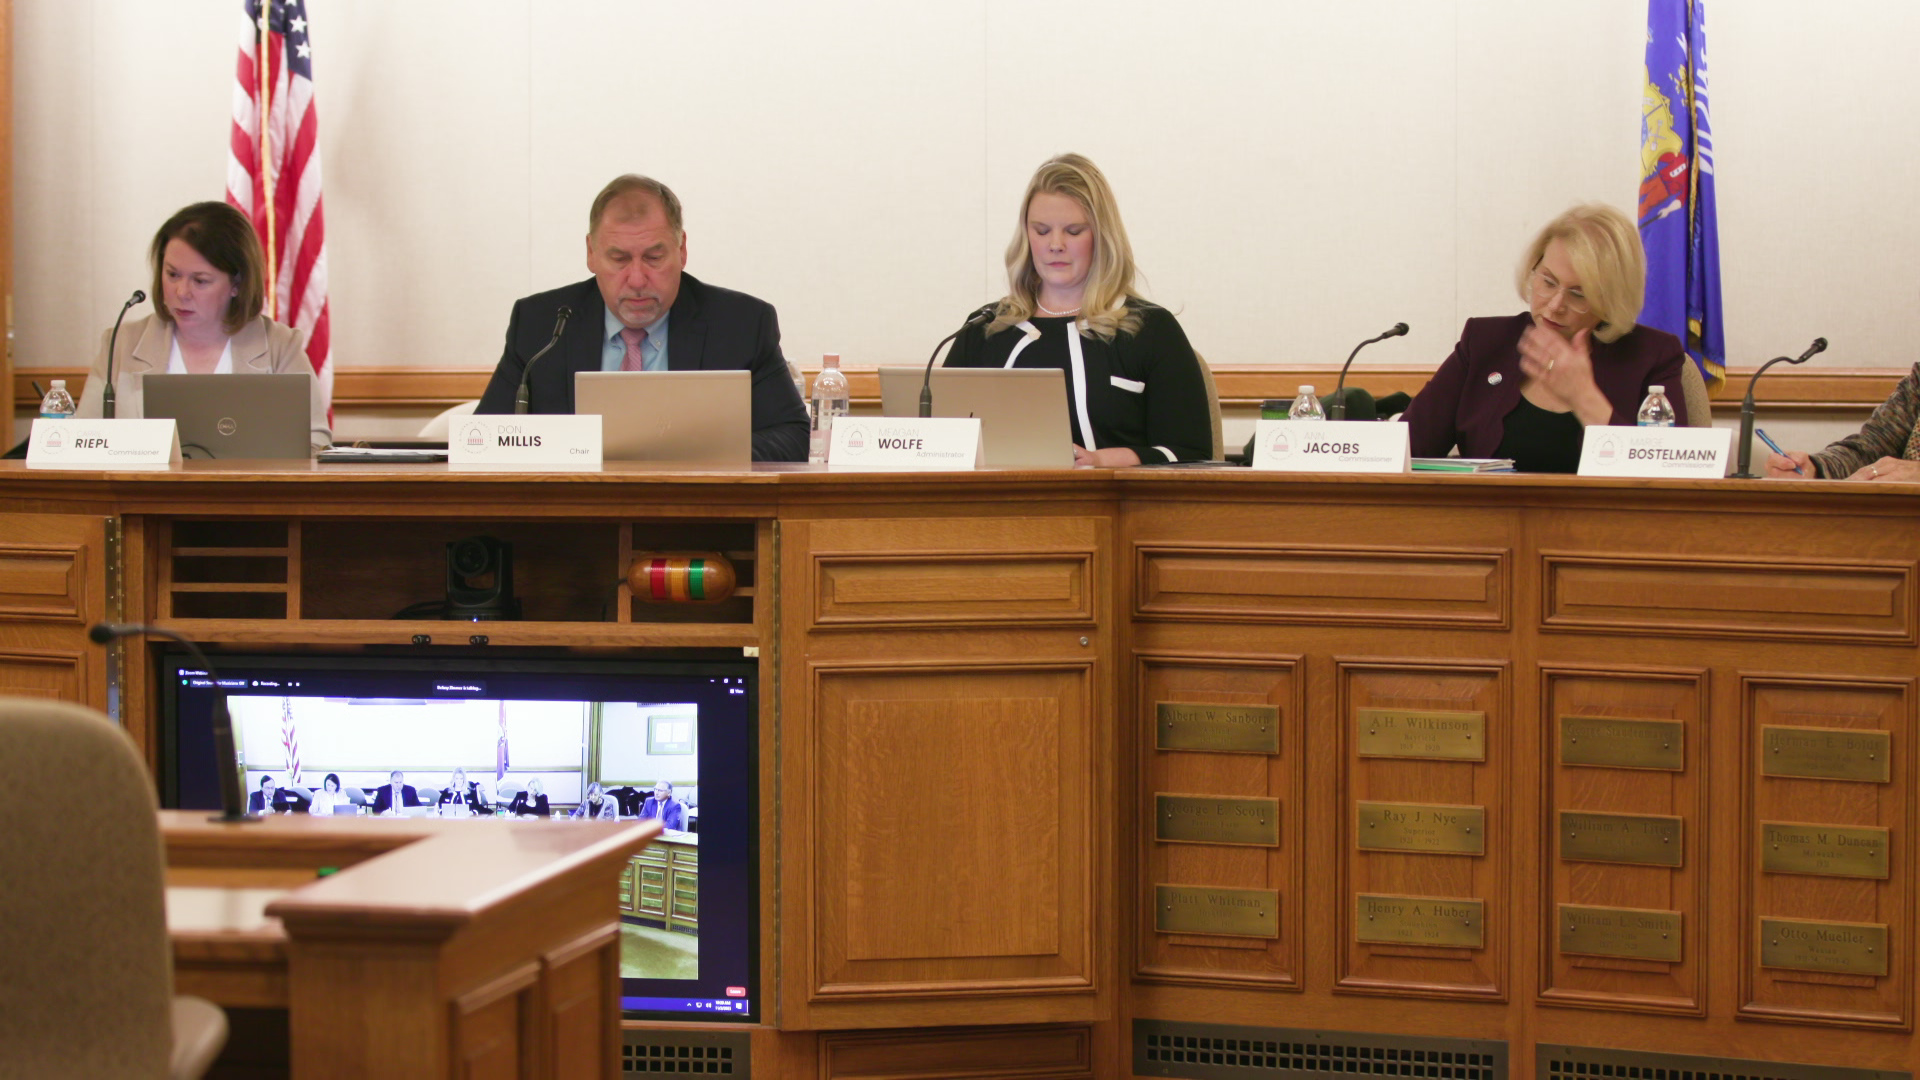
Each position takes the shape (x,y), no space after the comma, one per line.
(1526,386)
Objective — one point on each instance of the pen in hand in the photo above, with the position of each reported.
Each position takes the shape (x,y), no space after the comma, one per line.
(1775,447)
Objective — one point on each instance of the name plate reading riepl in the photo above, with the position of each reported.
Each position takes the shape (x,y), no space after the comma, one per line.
(1791,847)
(102,444)
(1427,734)
(1623,744)
(1229,729)
(1419,920)
(1841,948)
(1427,828)
(1644,839)
(1632,933)
(1826,753)
(1202,819)
(1187,909)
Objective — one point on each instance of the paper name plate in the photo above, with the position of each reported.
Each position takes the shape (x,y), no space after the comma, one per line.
(1669,452)
(103,444)
(904,443)
(525,442)
(1357,446)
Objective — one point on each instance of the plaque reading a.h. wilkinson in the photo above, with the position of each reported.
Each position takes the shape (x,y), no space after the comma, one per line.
(1419,920)
(1836,947)
(1631,933)
(1188,909)
(1645,839)
(1826,753)
(1623,744)
(1229,729)
(1424,733)
(1428,828)
(1202,819)
(1791,847)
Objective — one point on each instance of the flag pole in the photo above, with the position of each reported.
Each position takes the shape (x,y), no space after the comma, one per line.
(260,61)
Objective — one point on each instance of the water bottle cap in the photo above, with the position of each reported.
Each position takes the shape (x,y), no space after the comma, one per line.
(1656,389)
(830,360)
(59,384)
(1306,389)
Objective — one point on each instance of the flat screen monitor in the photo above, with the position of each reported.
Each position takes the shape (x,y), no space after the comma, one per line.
(567,739)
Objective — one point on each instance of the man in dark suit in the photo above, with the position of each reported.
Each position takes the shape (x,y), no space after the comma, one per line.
(271,798)
(661,804)
(642,312)
(397,793)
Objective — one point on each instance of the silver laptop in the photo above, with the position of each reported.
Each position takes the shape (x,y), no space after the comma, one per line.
(234,416)
(1022,411)
(673,417)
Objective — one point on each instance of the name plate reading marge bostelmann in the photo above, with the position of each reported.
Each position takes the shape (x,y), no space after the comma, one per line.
(1187,909)
(1646,839)
(1791,847)
(1432,829)
(1203,819)
(1419,920)
(1423,733)
(1826,753)
(1623,744)
(1631,933)
(1837,947)
(1228,729)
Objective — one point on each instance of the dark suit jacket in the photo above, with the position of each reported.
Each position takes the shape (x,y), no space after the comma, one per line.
(283,801)
(710,329)
(475,801)
(519,808)
(383,801)
(1461,407)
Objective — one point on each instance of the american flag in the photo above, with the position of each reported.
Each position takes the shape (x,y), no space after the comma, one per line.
(283,160)
(289,740)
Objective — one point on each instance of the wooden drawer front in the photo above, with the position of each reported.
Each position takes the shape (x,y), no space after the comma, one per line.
(41,583)
(1015,1053)
(59,676)
(1398,587)
(1729,599)
(952,588)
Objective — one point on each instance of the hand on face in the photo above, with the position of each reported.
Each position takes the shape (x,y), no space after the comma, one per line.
(1564,366)
(1890,470)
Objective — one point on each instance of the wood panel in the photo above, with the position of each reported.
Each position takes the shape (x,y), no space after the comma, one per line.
(953,588)
(492,1028)
(1322,584)
(1730,597)
(994,1053)
(53,585)
(42,583)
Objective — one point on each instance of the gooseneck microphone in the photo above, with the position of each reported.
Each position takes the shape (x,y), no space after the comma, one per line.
(109,400)
(1338,410)
(233,801)
(926,381)
(526,373)
(1746,404)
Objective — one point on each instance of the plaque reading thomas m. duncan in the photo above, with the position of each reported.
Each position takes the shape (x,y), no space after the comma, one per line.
(1623,744)
(1424,734)
(1791,847)
(1419,920)
(1189,909)
(1826,753)
(1227,729)
(1429,828)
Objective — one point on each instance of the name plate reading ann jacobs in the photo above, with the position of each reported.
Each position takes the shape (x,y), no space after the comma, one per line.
(1650,840)
(1231,729)
(1790,847)
(1631,933)
(1187,909)
(1423,827)
(1623,744)
(1826,753)
(1425,733)
(1202,819)
(1420,920)
(1836,947)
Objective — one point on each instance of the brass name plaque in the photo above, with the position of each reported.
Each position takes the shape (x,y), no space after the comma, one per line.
(1404,733)
(1423,827)
(1647,839)
(1826,753)
(1420,920)
(1200,819)
(1231,729)
(1623,744)
(1840,947)
(1186,909)
(1790,847)
(1634,933)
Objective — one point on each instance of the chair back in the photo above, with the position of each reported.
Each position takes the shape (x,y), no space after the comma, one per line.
(1693,389)
(1213,407)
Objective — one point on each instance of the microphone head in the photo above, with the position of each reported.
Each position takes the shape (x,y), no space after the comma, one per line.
(566,312)
(100,633)
(139,296)
(1399,329)
(1819,346)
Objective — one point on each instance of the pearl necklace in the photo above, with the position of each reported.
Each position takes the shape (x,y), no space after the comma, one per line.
(1045,310)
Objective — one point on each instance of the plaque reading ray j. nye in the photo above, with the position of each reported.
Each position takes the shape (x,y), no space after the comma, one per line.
(1427,828)
(1221,729)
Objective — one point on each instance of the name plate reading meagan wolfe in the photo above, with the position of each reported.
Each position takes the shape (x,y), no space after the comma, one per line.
(866,442)
(1791,847)
(1431,829)
(1205,819)
(1670,452)
(1837,947)
(1225,729)
(1826,753)
(1647,840)
(1189,909)
(1419,920)
(1425,733)
(1320,446)
(1631,933)
(1623,744)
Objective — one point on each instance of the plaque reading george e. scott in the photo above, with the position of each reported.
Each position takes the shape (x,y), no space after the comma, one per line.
(1826,753)
(1623,744)
(1230,729)
(1791,847)
(1421,733)
(1646,839)
(1633,933)
(1419,920)
(1432,829)
(1839,947)
(1203,819)
(1187,909)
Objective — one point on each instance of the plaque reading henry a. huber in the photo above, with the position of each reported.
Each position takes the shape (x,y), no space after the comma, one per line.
(1441,921)
(1221,729)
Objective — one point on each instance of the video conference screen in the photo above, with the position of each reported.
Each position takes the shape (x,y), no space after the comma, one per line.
(563,740)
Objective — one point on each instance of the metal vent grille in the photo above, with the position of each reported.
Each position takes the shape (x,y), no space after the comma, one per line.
(1594,1063)
(1226,1052)
(650,1052)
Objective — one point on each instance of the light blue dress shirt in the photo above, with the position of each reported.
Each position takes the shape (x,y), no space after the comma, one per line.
(653,351)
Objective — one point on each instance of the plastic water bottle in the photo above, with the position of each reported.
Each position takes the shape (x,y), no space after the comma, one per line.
(831,398)
(1306,406)
(58,404)
(1656,411)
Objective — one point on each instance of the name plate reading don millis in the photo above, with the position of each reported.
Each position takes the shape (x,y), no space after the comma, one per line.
(1424,733)
(1420,920)
(1837,947)
(1826,753)
(1623,744)
(1203,819)
(1224,729)
(1647,840)
(1631,933)
(1427,828)
(1791,847)
(1188,909)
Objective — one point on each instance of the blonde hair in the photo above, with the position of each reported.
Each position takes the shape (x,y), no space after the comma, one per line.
(1103,307)
(1604,248)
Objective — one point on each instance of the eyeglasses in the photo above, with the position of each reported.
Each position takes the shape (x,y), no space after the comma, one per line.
(1544,287)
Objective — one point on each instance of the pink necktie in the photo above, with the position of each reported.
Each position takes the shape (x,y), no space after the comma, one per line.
(633,361)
